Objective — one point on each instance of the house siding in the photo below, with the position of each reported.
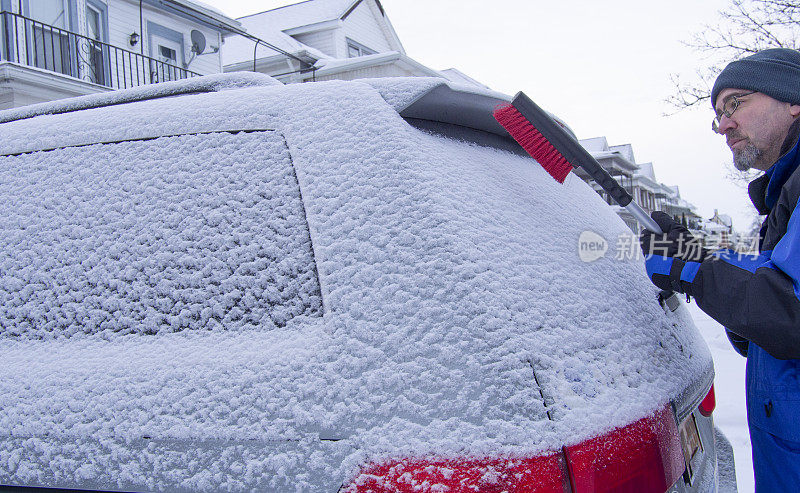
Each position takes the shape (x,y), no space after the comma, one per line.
(362,26)
(123,19)
(324,41)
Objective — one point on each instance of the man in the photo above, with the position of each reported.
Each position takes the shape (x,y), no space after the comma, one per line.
(757,298)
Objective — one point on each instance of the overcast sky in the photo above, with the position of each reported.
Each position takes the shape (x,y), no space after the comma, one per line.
(603,67)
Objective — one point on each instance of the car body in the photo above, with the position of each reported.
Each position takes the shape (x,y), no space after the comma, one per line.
(228,284)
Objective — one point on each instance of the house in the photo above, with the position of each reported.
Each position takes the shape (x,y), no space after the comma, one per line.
(52,49)
(722,220)
(640,181)
(680,209)
(619,162)
(647,191)
(319,40)
(719,230)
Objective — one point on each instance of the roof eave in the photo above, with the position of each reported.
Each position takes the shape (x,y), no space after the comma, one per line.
(376,60)
(276,59)
(200,14)
(310,28)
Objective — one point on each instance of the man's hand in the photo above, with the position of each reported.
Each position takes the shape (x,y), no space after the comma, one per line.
(666,254)
(676,241)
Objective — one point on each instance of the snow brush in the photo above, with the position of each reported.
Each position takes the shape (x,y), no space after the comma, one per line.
(558,152)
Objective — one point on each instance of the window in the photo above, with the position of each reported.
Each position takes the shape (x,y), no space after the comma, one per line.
(355,49)
(51,12)
(177,233)
(94,24)
(95,66)
(49,36)
(166,54)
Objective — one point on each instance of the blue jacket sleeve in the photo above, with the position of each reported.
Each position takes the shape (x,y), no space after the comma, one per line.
(757,298)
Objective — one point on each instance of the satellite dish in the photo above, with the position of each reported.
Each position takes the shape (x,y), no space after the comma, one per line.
(198,41)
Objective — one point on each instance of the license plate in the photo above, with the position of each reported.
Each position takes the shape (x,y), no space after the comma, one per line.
(690,442)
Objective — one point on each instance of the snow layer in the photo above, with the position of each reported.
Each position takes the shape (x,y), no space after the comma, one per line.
(399,92)
(301,13)
(208,83)
(159,235)
(449,274)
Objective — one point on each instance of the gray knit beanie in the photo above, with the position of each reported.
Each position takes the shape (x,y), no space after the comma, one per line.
(774,72)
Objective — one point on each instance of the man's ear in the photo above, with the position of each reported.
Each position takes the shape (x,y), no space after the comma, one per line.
(794,110)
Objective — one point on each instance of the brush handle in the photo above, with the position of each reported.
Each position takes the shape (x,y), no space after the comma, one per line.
(641,216)
(577,156)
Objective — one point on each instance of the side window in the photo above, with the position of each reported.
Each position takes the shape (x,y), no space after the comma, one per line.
(356,49)
(190,232)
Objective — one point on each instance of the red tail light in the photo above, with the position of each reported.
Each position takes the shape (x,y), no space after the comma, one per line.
(643,457)
(544,474)
(709,403)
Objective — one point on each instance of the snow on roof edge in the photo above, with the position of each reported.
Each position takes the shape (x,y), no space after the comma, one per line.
(227,22)
(326,15)
(207,83)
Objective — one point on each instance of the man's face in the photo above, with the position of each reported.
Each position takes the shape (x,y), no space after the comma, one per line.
(756,129)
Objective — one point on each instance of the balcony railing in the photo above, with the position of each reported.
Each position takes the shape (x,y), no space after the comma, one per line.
(32,43)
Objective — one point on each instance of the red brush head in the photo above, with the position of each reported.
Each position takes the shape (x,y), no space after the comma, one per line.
(533,142)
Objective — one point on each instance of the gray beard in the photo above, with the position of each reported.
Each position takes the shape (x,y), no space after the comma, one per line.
(746,158)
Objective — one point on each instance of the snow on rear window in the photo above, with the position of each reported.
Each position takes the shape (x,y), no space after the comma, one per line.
(186,232)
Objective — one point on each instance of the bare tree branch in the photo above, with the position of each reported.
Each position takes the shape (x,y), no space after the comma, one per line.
(745,27)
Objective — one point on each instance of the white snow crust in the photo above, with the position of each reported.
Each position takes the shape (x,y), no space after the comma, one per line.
(159,235)
(301,13)
(399,92)
(448,273)
(206,83)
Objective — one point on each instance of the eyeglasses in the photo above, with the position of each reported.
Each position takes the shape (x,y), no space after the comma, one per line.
(728,108)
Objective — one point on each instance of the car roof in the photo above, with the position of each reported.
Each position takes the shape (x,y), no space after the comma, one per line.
(209,83)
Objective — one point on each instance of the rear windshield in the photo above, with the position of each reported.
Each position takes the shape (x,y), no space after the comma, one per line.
(187,232)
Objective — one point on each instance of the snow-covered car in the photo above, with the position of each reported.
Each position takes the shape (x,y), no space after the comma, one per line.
(228,284)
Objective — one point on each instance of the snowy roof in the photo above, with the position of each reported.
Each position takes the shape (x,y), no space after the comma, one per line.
(207,14)
(239,48)
(723,219)
(299,14)
(202,6)
(174,317)
(459,77)
(673,189)
(616,159)
(626,150)
(646,169)
(330,66)
(599,149)
(712,227)
(267,26)
(595,144)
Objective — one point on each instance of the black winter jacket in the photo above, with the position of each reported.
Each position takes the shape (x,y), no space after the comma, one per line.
(757,298)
